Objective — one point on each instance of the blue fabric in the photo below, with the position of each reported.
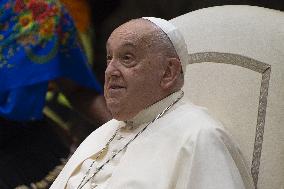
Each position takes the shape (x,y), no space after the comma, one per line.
(24,103)
(38,43)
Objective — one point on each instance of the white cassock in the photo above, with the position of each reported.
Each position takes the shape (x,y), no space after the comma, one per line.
(184,149)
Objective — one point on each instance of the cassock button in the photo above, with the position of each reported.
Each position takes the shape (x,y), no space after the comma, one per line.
(114,152)
(119,137)
(93,185)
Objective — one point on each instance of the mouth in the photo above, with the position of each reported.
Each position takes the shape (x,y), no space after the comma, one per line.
(116,87)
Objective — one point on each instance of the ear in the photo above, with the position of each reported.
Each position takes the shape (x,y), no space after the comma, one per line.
(171,74)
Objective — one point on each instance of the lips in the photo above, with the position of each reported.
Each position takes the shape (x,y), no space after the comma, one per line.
(115,89)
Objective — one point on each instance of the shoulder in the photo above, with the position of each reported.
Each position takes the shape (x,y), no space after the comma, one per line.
(188,124)
(92,144)
(201,128)
(96,139)
(102,132)
(192,118)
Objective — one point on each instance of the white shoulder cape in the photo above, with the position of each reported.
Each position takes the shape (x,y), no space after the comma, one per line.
(185,149)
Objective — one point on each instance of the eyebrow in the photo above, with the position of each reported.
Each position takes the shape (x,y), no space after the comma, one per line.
(125,44)
(129,44)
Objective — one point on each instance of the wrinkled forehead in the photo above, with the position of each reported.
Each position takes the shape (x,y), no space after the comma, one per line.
(136,32)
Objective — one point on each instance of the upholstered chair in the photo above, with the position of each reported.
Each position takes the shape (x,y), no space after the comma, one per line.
(236,70)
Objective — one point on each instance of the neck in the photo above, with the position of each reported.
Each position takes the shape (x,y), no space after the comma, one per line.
(153,110)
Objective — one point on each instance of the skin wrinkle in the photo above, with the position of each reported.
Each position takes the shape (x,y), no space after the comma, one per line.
(139,70)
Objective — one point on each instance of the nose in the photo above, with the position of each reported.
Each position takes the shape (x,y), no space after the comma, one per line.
(112,70)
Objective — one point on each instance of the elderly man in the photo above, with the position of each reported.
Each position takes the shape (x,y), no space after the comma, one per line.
(157,139)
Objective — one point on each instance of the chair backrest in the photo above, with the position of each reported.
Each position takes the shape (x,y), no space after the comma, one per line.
(236,69)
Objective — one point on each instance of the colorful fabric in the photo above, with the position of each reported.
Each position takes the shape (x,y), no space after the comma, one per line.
(38,43)
(80,12)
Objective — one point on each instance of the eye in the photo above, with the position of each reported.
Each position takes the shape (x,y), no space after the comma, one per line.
(108,58)
(127,57)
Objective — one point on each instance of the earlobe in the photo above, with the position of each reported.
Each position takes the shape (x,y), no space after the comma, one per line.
(171,74)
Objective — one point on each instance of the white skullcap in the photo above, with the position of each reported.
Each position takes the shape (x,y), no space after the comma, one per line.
(176,38)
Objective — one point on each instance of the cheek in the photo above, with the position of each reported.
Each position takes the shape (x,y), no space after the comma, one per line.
(144,83)
(105,88)
(151,76)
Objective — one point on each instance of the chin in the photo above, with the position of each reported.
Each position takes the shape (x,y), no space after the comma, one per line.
(119,116)
(115,109)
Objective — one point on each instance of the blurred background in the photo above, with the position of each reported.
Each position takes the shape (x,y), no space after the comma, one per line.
(106,15)
(64,126)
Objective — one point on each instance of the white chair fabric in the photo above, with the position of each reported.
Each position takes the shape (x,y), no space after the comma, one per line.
(236,70)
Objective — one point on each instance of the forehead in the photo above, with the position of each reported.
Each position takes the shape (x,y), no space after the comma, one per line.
(132,34)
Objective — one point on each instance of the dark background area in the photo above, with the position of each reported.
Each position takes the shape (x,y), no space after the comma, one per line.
(109,14)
